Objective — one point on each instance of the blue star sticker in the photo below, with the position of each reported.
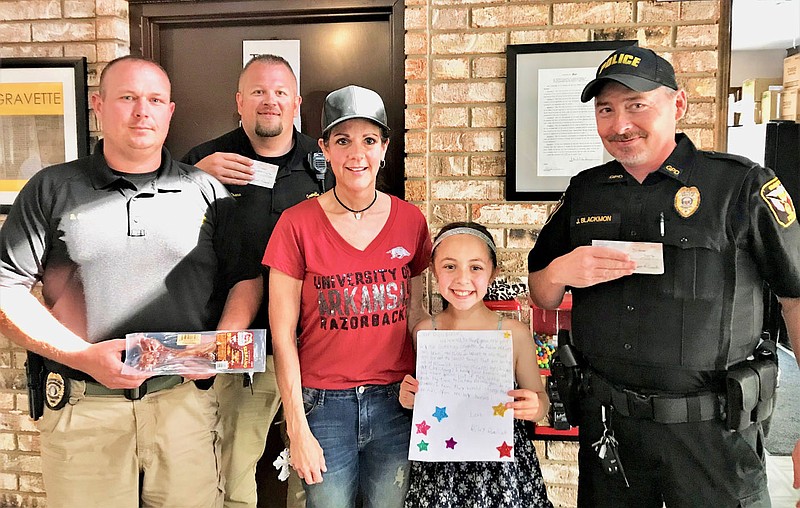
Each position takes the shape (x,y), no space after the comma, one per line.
(440,413)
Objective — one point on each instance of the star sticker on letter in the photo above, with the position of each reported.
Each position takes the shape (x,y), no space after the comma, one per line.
(451,443)
(440,413)
(507,334)
(499,410)
(423,446)
(422,428)
(505,450)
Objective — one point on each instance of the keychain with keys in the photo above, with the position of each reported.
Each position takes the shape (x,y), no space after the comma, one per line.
(606,448)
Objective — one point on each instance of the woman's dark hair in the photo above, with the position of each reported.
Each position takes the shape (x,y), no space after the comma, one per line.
(470,225)
(326,136)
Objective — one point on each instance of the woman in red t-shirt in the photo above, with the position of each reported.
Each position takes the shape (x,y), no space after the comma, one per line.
(344,269)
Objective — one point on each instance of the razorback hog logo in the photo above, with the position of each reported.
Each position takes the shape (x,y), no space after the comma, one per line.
(398,252)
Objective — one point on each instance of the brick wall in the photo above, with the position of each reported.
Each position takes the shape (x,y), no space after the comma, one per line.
(98,30)
(95,29)
(455,94)
(455,116)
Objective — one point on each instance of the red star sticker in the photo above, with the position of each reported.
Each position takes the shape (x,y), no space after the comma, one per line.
(505,450)
(422,428)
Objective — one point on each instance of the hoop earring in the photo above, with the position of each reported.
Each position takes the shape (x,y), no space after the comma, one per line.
(382,164)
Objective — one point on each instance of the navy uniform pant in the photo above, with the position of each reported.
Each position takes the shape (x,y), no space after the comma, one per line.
(698,464)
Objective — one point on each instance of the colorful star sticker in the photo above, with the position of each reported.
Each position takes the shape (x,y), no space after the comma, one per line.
(423,446)
(422,428)
(500,409)
(505,450)
(507,334)
(440,413)
(451,443)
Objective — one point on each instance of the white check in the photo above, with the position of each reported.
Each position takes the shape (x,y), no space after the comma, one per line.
(264,174)
(649,256)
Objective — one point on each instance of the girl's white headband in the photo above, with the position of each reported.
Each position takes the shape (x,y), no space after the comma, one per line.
(465,231)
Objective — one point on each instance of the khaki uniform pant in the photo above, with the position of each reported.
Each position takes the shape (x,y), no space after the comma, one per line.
(102,451)
(246,420)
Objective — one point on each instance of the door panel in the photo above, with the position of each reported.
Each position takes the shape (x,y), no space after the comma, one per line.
(203,55)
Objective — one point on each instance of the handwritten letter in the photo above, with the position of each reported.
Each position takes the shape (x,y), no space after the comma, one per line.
(459,412)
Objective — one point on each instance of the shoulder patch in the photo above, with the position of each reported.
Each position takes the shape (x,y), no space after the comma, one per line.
(779,202)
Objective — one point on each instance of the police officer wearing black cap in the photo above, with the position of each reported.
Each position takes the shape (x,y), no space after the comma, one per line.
(664,350)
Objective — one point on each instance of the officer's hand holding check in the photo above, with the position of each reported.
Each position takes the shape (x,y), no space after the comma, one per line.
(228,168)
(587,266)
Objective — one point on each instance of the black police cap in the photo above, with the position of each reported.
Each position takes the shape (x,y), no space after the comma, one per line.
(639,69)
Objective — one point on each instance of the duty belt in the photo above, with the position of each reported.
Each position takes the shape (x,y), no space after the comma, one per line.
(151,385)
(93,388)
(697,407)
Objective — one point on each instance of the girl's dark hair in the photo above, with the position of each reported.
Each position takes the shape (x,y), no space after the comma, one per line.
(471,225)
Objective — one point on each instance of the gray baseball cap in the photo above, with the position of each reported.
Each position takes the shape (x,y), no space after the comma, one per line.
(353,102)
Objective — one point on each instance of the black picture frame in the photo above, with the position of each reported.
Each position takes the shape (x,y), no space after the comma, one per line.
(524,63)
(33,83)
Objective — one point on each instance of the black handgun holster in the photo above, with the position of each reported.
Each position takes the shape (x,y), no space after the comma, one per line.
(567,371)
(35,374)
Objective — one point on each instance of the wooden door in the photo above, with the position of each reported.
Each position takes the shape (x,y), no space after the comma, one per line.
(341,43)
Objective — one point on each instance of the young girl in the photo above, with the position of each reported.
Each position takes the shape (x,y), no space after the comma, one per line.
(465,263)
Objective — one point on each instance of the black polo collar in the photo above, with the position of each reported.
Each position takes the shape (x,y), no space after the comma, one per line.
(245,147)
(101,175)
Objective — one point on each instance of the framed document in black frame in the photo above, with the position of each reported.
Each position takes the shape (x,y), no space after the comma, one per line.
(44,118)
(550,133)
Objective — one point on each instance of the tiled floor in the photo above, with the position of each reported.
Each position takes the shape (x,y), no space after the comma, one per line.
(780,476)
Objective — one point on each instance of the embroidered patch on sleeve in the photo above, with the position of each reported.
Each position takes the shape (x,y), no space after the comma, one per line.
(779,202)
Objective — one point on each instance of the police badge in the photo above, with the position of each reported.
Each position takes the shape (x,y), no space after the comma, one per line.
(56,391)
(687,201)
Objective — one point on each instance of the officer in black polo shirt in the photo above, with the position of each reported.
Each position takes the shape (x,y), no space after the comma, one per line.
(267,101)
(658,348)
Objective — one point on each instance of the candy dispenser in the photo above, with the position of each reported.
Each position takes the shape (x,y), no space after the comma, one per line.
(545,325)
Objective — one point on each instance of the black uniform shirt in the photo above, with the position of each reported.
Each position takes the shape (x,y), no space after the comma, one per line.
(727,225)
(260,207)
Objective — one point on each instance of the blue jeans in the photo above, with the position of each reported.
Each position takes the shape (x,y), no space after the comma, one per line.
(364,433)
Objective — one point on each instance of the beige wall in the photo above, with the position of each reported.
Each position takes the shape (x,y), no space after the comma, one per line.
(455,116)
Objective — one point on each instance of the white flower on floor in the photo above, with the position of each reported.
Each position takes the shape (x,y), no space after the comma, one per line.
(282,464)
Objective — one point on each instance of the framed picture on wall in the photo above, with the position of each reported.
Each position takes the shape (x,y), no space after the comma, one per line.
(550,134)
(43,118)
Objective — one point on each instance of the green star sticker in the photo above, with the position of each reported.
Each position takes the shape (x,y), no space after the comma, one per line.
(423,446)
